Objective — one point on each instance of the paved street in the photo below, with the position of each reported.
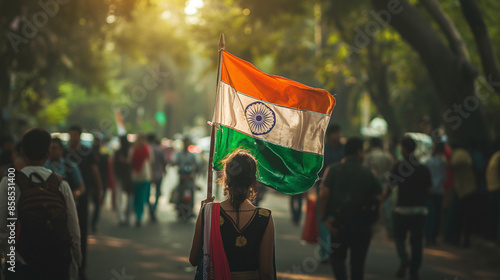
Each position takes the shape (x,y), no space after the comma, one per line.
(160,251)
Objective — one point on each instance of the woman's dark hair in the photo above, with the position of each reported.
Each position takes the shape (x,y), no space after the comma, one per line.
(239,177)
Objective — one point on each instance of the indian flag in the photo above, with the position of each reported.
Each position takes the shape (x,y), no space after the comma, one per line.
(280,121)
(120,125)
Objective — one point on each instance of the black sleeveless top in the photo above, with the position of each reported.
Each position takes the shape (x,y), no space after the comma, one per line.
(242,246)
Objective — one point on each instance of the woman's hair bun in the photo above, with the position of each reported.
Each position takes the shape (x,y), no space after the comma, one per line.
(239,175)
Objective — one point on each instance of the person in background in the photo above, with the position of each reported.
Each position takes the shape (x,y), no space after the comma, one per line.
(188,165)
(6,153)
(493,183)
(480,198)
(349,204)
(380,162)
(334,152)
(450,203)
(414,184)
(296,208)
(141,158)
(48,249)
(101,158)
(84,158)
(111,175)
(123,174)
(13,159)
(466,188)
(158,173)
(437,166)
(260,192)
(68,169)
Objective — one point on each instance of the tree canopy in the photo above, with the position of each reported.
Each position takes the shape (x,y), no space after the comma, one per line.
(65,62)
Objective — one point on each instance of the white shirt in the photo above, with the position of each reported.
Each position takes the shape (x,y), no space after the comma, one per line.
(73,226)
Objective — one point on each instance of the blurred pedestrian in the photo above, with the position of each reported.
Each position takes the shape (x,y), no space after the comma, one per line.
(241,235)
(158,173)
(450,203)
(84,158)
(124,188)
(380,163)
(260,192)
(101,158)
(47,231)
(6,153)
(334,152)
(296,208)
(437,166)
(413,181)
(493,181)
(141,158)
(66,168)
(10,156)
(188,166)
(349,203)
(466,188)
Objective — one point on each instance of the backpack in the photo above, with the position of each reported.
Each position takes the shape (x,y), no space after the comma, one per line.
(42,238)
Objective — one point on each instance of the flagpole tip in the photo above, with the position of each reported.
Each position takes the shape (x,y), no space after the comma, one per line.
(222,42)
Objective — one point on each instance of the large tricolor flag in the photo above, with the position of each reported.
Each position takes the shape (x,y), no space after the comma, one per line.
(280,121)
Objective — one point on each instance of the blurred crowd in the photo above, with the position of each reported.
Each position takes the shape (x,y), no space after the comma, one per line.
(427,190)
(422,189)
(130,169)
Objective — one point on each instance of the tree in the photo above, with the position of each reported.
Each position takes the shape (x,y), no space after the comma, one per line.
(101,48)
(448,66)
(47,41)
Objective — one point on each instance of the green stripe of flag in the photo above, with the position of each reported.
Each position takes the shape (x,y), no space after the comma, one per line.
(286,170)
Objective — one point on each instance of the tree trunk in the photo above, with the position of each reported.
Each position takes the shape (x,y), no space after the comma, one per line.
(449,29)
(379,90)
(462,110)
(483,41)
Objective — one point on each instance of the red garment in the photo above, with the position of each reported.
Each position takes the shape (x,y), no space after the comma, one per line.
(310,232)
(218,259)
(139,156)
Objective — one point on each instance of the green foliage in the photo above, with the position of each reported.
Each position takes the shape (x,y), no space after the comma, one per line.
(55,114)
(87,60)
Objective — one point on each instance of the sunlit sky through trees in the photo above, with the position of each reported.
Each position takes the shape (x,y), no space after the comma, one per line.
(91,58)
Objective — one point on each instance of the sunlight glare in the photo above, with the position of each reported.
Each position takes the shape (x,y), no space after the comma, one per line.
(166,15)
(192,7)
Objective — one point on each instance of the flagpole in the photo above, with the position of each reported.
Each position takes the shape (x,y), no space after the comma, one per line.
(222,46)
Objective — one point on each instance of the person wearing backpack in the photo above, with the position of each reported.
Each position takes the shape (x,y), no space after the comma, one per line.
(47,234)
(349,204)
